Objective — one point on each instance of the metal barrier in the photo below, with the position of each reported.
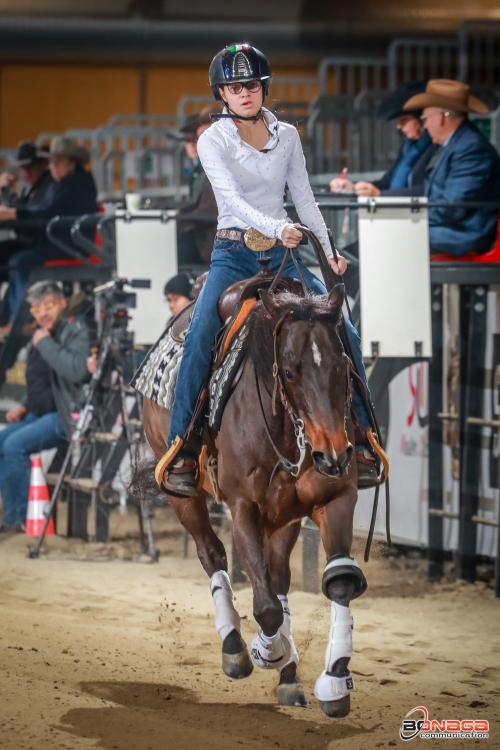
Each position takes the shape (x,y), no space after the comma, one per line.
(421,59)
(479,46)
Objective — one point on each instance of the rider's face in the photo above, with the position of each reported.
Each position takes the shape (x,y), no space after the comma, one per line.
(246,103)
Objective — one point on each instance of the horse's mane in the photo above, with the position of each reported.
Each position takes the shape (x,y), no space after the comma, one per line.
(259,343)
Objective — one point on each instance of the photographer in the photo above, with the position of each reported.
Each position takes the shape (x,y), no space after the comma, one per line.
(56,367)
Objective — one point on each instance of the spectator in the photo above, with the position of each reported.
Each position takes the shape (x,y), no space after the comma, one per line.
(33,165)
(179,292)
(465,168)
(72,193)
(56,368)
(417,149)
(195,239)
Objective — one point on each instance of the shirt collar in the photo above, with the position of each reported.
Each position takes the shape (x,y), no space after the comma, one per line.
(229,126)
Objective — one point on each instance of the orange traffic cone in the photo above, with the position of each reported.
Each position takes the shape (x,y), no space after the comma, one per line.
(38,499)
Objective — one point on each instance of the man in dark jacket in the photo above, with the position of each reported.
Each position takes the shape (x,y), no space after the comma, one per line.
(55,370)
(195,239)
(465,168)
(33,165)
(72,193)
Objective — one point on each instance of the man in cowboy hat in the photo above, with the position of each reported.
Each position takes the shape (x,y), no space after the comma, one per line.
(72,193)
(465,168)
(195,238)
(33,163)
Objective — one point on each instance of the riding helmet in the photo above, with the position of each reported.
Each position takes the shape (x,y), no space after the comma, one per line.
(238,63)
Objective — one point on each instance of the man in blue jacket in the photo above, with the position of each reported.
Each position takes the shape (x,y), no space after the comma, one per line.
(465,168)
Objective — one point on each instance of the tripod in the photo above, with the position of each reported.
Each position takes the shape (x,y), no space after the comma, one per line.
(108,401)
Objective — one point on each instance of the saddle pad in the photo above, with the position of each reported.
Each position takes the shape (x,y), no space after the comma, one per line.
(157,376)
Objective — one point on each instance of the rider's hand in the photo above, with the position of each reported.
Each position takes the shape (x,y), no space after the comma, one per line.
(340,267)
(366,188)
(291,236)
(341,185)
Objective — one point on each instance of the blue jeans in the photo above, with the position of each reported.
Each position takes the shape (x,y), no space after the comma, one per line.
(17,442)
(20,266)
(231,262)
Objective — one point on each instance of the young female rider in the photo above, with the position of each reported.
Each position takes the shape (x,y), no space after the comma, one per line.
(249,158)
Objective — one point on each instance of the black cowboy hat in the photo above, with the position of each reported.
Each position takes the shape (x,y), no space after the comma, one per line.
(193,122)
(28,153)
(392,107)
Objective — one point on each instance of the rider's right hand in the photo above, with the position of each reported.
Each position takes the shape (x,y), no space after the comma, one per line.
(290,236)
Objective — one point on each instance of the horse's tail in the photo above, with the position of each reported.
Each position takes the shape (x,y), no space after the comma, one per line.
(142,486)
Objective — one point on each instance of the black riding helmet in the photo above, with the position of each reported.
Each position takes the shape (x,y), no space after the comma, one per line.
(238,63)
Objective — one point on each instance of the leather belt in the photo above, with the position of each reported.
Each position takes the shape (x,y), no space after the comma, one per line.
(237,236)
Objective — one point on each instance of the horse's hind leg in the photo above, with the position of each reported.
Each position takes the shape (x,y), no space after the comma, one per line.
(290,688)
(342,582)
(193,515)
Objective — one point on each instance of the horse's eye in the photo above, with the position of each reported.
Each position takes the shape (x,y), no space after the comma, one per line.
(288,375)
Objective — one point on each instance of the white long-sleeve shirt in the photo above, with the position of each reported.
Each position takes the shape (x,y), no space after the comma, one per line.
(249,185)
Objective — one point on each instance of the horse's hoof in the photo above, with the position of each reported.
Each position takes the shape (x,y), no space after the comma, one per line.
(236,661)
(336,709)
(292,695)
(290,690)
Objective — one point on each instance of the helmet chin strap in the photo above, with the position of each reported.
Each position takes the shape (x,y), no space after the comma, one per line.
(231,114)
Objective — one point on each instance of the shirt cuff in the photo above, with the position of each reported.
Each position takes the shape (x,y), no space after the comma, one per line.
(280,227)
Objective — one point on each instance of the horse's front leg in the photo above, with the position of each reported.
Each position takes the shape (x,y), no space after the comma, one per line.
(343,581)
(270,649)
(281,543)
(192,512)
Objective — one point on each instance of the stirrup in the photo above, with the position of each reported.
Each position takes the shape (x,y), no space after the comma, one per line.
(167,460)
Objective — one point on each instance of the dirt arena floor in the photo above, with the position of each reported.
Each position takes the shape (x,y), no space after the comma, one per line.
(101,649)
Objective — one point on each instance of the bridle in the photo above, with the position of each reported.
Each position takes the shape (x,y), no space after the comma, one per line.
(279,387)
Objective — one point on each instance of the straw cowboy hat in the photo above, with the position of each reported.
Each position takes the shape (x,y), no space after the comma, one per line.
(447,94)
(61,146)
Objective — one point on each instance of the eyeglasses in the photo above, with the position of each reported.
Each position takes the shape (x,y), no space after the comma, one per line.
(39,309)
(423,118)
(237,88)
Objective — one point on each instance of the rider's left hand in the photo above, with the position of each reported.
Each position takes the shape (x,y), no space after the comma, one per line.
(340,267)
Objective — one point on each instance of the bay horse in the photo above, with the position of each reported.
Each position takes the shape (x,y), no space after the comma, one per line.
(292,399)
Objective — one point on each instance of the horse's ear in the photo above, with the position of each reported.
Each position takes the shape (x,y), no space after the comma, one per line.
(270,305)
(336,296)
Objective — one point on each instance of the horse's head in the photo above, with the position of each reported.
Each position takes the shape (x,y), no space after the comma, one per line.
(314,372)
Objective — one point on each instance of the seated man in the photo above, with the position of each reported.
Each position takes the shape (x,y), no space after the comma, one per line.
(55,370)
(33,165)
(408,171)
(466,168)
(72,193)
(179,292)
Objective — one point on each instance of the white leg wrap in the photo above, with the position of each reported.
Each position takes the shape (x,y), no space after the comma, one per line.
(286,630)
(226,616)
(330,688)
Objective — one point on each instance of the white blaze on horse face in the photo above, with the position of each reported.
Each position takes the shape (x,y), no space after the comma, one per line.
(316,353)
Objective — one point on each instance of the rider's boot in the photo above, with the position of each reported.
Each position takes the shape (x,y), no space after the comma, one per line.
(365,460)
(182,477)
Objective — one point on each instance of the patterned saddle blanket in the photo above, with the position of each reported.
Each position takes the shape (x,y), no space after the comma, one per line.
(157,376)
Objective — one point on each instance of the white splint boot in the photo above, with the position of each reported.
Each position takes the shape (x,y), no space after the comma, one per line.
(329,688)
(286,630)
(227,618)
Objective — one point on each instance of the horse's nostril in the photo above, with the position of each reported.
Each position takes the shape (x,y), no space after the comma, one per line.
(325,463)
